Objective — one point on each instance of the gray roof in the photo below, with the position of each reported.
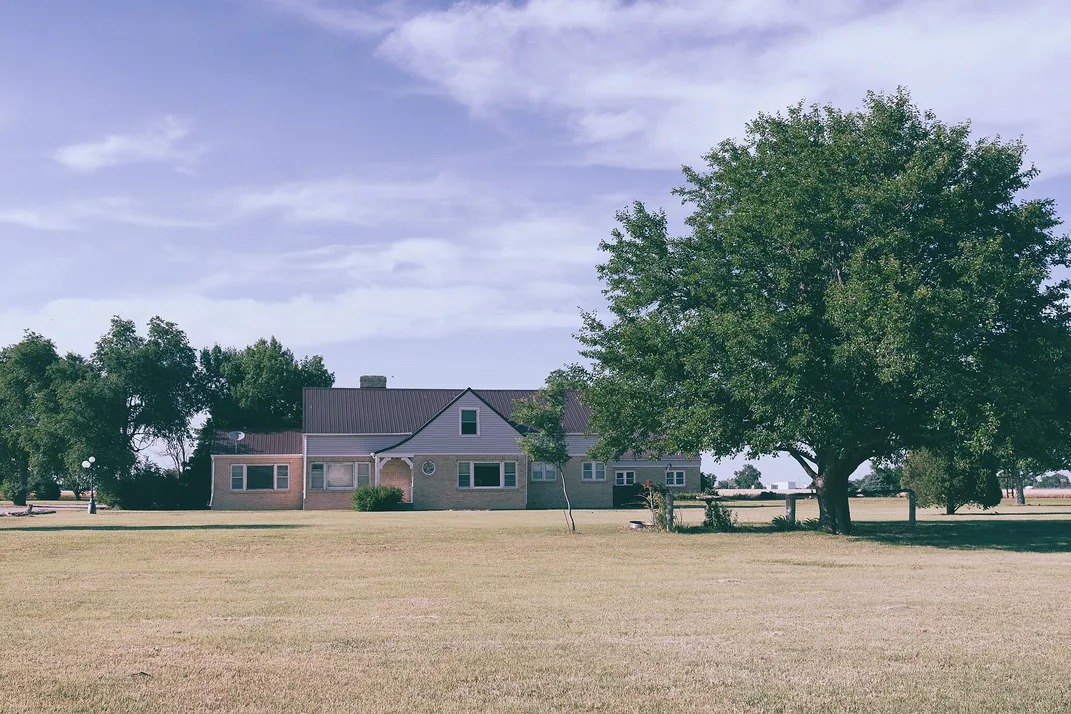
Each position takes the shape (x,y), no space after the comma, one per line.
(338,410)
(274,442)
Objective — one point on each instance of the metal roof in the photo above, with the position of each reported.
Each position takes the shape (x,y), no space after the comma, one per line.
(338,410)
(275,443)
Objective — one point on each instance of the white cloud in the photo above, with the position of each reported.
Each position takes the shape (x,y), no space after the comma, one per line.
(160,143)
(79,215)
(352,201)
(655,84)
(336,16)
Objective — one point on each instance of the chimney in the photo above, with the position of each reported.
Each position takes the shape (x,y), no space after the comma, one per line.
(373,381)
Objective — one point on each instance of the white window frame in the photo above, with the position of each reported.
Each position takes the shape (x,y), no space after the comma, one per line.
(542,471)
(460,423)
(274,478)
(624,480)
(501,477)
(594,468)
(679,473)
(356,475)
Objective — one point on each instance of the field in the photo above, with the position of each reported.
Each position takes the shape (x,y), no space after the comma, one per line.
(503,612)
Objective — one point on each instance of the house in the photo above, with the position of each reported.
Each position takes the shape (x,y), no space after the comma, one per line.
(445,448)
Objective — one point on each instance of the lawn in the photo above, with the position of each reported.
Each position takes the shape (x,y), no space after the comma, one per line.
(505,611)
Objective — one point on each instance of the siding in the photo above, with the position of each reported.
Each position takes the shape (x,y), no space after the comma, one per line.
(442,435)
(349,445)
(579,444)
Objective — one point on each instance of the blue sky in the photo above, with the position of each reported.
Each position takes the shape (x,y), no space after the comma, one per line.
(418,188)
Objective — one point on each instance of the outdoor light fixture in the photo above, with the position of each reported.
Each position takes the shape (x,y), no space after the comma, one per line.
(88,466)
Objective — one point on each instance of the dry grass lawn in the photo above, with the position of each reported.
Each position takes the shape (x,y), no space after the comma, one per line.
(504,612)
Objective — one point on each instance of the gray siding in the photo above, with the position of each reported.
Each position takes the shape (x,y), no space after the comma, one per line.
(579,444)
(338,445)
(442,436)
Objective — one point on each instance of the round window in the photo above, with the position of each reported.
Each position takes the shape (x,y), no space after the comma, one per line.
(428,468)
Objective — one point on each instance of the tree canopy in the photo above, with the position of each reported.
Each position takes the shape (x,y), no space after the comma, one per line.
(853,284)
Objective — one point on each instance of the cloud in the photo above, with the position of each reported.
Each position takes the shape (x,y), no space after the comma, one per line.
(160,143)
(654,84)
(79,215)
(372,19)
(353,201)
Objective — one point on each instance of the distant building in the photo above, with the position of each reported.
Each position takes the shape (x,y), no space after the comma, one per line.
(783,485)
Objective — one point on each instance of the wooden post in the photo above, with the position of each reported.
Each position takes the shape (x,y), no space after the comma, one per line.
(790,509)
(669,509)
(910,509)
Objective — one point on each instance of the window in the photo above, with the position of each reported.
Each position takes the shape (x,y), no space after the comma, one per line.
(593,471)
(486,474)
(470,422)
(674,478)
(544,472)
(326,476)
(260,477)
(625,478)
(339,475)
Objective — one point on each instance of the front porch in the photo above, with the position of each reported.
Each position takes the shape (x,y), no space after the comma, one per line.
(396,471)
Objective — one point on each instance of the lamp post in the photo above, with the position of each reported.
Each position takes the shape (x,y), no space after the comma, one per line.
(88,466)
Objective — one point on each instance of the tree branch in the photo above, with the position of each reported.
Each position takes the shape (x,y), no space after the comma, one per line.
(801,456)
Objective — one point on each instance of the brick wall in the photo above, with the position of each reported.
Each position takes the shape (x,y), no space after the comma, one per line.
(582,494)
(224,499)
(397,473)
(334,499)
(440,492)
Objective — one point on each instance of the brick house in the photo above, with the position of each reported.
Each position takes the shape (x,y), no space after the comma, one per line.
(445,448)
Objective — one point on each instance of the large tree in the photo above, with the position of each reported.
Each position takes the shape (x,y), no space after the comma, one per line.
(853,284)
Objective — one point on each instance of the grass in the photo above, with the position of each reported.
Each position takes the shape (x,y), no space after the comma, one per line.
(504,611)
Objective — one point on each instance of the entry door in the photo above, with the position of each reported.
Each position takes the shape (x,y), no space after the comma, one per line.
(627,493)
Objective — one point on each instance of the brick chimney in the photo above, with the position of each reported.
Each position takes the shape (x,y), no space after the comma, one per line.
(373,381)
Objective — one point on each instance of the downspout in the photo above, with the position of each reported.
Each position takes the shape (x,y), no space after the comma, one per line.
(212,485)
(304,468)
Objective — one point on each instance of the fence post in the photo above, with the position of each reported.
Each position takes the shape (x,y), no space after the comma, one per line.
(790,509)
(910,509)
(669,509)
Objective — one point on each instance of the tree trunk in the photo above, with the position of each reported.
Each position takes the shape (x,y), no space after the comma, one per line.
(1020,494)
(950,506)
(833,512)
(568,505)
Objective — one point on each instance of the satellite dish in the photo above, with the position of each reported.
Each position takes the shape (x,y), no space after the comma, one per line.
(236,435)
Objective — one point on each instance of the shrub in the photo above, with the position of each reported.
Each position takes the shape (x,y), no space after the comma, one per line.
(46,490)
(148,487)
(14,491)
(719,517)
(654,497)
(377,498)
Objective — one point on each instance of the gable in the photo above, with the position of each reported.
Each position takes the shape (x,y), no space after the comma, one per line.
(442,435)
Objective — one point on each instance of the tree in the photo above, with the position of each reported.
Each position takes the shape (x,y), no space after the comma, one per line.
(1054,480)
(884,478)
(26,456)
(952,480)
(853,285)
(541,418)
(747,477)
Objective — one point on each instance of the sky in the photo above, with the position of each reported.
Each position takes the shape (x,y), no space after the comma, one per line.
(418,188)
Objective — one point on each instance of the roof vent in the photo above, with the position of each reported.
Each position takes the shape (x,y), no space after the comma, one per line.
(373,381)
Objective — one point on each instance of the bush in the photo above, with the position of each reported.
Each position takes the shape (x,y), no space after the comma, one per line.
(377,498)
(719,517)
(654,496)
(149,488)
(14,491)
(46,490)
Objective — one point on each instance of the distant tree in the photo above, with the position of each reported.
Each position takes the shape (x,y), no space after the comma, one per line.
(1054,480)
(884,477)
(724,483)
(542,420)
(747,477)
(951,480)
(852,285)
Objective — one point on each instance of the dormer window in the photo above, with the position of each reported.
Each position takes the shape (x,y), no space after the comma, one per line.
(470,422)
